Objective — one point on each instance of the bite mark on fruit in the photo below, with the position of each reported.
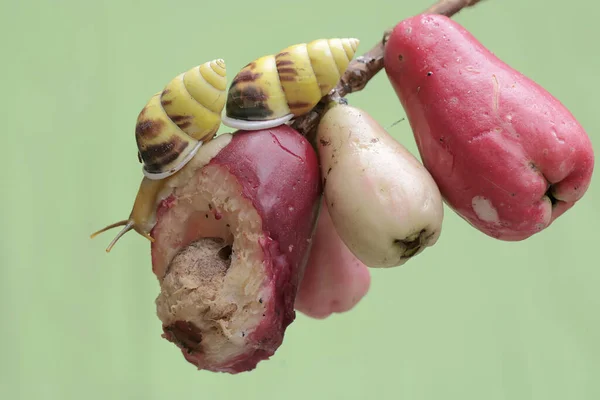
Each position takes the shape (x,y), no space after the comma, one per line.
(484,209)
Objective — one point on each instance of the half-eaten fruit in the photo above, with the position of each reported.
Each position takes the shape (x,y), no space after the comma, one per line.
(231,244)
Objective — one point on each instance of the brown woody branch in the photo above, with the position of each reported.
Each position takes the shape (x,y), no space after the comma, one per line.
(363,68)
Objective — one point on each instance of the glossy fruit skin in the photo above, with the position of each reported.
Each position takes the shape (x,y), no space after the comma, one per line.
(496,142)
(383,202)
(278,171)
(335,281)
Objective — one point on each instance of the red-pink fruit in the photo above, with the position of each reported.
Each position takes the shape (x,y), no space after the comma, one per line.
(231,245)
(335,280)
(507,156)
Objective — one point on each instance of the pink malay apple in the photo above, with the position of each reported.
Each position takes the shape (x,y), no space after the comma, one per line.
(335,280)
(507,156)
(231,244)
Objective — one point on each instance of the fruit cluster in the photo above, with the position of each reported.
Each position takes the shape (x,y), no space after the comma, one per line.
(261,222)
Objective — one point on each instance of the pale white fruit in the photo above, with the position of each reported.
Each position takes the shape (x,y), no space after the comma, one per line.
(383,202)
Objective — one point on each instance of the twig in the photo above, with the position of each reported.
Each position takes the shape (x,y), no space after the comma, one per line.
(363,68)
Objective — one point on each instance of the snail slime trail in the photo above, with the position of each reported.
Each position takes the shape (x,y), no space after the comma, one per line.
(231,245)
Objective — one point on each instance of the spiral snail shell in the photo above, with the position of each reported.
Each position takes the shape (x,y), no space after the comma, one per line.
(169,131)
(273,89)
(175,122)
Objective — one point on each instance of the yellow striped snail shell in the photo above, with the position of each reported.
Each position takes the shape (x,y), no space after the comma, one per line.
(175,122)
(273,89)
(169,131)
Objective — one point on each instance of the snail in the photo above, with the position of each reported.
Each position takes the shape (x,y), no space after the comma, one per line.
(177,121)
(170,129)
(273,89)
(142,215)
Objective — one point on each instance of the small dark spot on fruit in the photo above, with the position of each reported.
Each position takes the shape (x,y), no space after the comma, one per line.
(400,57)
(324,142)
(206,215)
(329,171)
(243,334)
(227,225)
(209,206)
(429,73)
(374,140)
(260,300)
(513,194)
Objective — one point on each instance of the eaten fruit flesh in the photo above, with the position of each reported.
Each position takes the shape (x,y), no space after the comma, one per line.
(230,248)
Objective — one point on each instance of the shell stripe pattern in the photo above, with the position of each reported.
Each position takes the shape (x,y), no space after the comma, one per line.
(288,84)
(176,121)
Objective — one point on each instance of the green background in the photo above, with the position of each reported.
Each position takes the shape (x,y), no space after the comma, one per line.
(471,318)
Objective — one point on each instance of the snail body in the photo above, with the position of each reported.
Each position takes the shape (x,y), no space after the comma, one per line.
(177,121)
(273,89)
(152,193)
(142,216)
(170,129)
